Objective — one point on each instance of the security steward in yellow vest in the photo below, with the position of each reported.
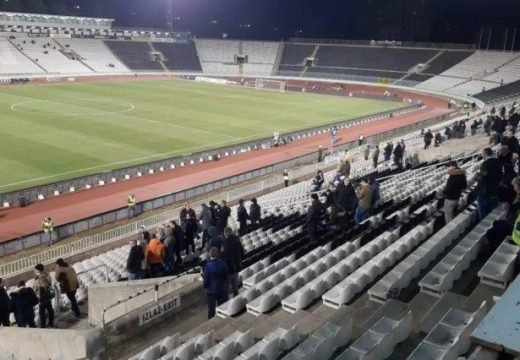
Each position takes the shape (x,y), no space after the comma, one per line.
(286,177)
(131,205)
(48,228)
(515,237)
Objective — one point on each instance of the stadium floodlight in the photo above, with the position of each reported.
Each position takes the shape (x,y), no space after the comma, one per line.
(273,85)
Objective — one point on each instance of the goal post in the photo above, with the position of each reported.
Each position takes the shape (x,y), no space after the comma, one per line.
(273,85)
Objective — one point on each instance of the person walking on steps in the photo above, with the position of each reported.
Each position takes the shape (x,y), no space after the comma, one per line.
(48,228)
(66,276)
(131,201)
(216,281)
(286,177)
(45,293)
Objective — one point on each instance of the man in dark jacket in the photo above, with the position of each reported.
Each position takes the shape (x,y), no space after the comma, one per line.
(215,240)
(5,305)
(190,232)
(242,217)
(23,301)
(134,261)
(183,215)
(398,155)
(216,281)
(223,216)
(232,254)
(375,157)
(454,186)
(207,218)
(511,142)
(489,178)
(428,139)
(388,151)
(254,213)
(179,244)
(313,218)
(345,195)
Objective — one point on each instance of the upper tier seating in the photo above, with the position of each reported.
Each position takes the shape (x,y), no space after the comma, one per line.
(96,54)
(180,57)
(295,54)
(13,62)
(135,54)
(500,93)
(446,60)
(479,64)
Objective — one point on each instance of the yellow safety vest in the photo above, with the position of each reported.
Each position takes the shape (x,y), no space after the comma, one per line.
(131,201)
(47,226)
(516,231)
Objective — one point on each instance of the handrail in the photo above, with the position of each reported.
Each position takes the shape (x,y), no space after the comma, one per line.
(155,288)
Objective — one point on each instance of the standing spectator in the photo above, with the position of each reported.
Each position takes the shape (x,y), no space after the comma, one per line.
(23,301)
(455,184)
(145,234)
(488,180)
(213,206)
(45,293)
(313,218)
(438,139)
(216,281)
(206,218)
(179,243)
(374,184)
(364,195)
(343,170)
(286,177)
(320,153)
(168,249)
(215,240)
(223,216)
(184,215)
(154,256)
(318,181)
(360,139)
(349,157)
(345,195)
(5,305)
(398,155)
(388,151)
(48,228)
(134,261)
(512,143)
(254,213)
(428,139)
(242,217)
(66,276)
(504,156)
(191,231)
(232,254)
(375,157)
(367,152)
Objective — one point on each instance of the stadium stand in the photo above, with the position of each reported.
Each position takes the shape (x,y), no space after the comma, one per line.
(14,62)
(446,60)
(179,57)
(136,55)
(500,93)
(95,54)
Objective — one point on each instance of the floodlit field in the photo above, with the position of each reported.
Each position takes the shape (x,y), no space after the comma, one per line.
(60,131)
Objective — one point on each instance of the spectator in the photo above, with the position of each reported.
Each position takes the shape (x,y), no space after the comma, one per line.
(349,157)
(398,155)
(5,305)
(223,216)
(134,261)
(375,157)
(215,240)
(488,179)
(242,217)
(329,196)
(23,301)
(214,207)
(336,212)
(428,139)
(367,152)
(318,181)
(388,151)
(512,143)
(345,195)
(66,276)
(364,195)
(184,215)
(361,138)
(320,153)
(374,184)
(504,156)
(254,213)
(206,218)
(438,139)
(232,254)
(343,170)
(179,243)
(508,225)
(191,230)
(168,246)
(45,293)
(455,184)
(145,234)
(154,256)
(313,218)
(216,281)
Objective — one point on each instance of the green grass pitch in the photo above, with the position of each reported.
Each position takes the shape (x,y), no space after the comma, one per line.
(61,131)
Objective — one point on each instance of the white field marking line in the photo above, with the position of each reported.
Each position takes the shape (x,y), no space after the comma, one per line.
(130,108)
(156,155)
(121,114)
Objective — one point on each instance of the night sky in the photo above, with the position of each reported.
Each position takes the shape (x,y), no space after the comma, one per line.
(405,20)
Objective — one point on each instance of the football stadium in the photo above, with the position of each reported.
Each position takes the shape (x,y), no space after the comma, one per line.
(257,180)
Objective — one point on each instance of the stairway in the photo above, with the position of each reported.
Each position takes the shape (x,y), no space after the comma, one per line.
(77,56)
(163,65)
(313,55)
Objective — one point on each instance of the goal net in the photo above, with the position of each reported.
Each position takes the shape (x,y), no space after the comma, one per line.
(273,85)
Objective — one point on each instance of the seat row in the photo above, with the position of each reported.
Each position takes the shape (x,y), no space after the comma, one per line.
(498,270)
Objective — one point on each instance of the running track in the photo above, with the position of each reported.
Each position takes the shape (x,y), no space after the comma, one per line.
(17,222)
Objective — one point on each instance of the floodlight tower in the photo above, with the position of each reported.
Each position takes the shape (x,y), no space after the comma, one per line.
(169,16)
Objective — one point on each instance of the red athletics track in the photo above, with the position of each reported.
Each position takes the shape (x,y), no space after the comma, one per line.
(17,222)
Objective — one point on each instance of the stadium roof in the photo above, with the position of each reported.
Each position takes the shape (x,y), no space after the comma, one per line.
(26,19)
